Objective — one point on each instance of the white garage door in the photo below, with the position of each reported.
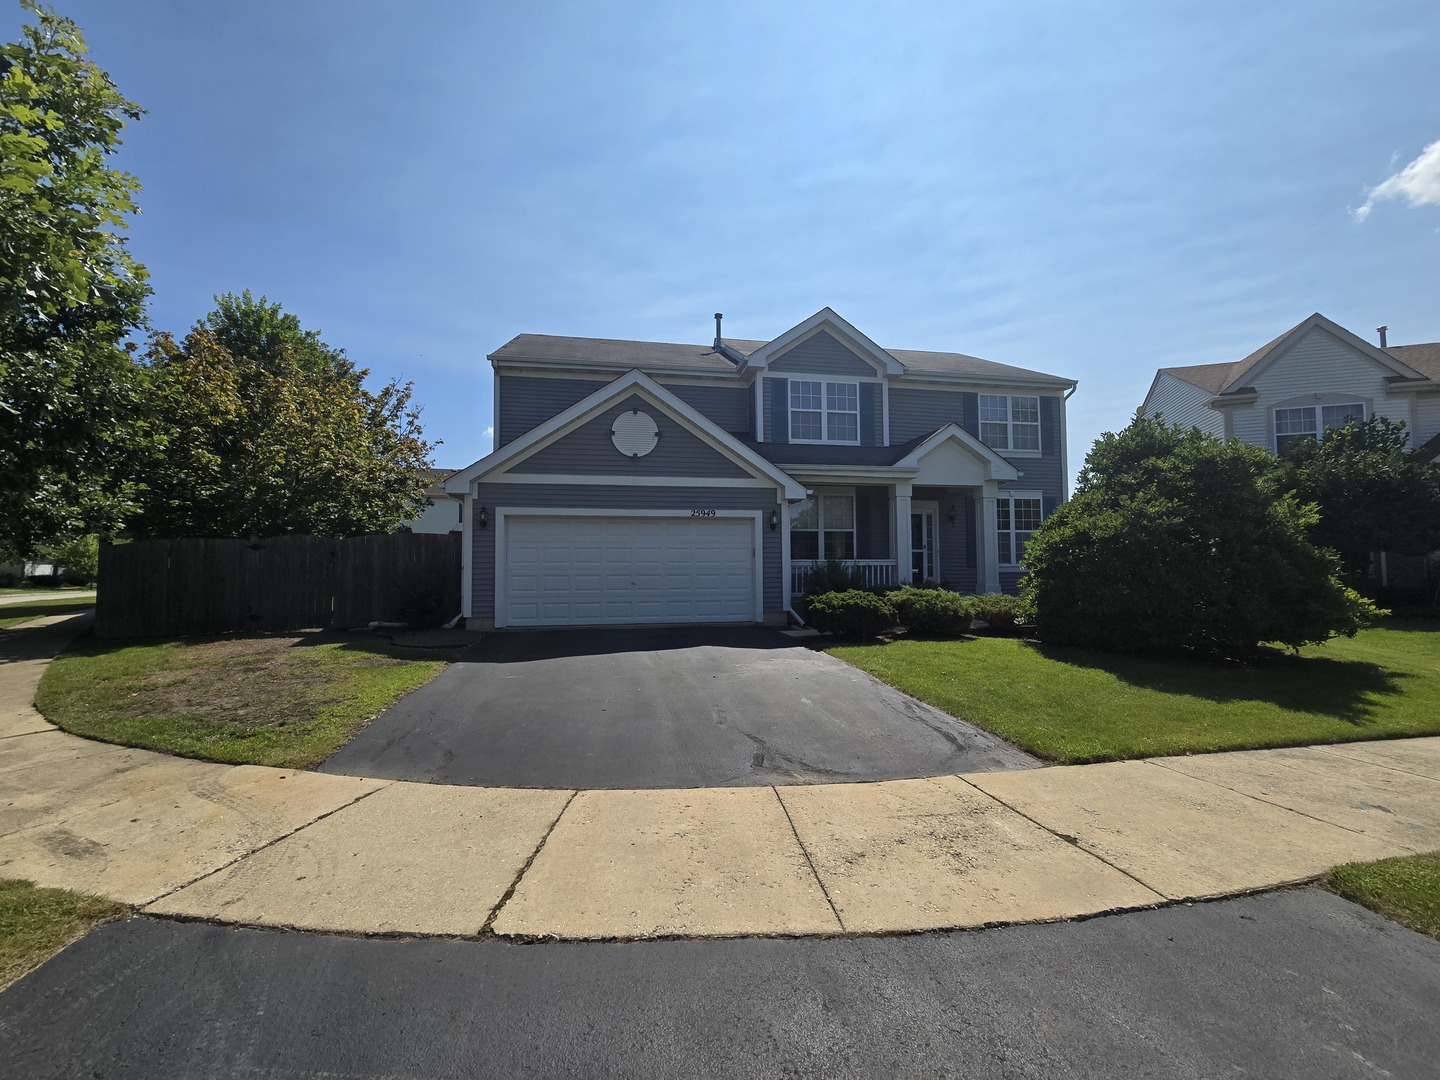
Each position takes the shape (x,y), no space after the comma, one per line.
(560,571)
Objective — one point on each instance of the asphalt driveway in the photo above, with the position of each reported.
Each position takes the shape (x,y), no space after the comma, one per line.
(684,707)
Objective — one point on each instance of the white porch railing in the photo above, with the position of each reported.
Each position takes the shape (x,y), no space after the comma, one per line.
(876,572)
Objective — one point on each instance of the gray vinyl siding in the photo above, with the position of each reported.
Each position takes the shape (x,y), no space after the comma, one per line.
(528,402)
(872,522)
(1183,406)
(914,413)
(681,500)
(872,414)
(731,407)
(821,354)
(588,451)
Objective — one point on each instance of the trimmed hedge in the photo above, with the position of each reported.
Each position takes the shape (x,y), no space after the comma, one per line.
(852,613)
(937,612)
(1001,611)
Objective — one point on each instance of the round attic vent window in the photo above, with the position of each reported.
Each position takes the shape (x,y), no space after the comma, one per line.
(634,433)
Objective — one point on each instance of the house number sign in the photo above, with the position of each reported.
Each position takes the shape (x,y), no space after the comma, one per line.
(702,513)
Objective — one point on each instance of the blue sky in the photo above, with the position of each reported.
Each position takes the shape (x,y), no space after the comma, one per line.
(1090,189)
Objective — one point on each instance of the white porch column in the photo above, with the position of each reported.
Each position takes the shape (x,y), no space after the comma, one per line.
(988,559)
(903,561)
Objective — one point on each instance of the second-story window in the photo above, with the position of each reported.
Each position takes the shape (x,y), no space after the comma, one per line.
(824,411)
(1010,421)
(1292,425)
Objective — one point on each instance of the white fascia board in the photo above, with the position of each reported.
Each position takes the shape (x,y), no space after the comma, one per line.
(999,468)
(825,317)
(1373,353)
(545,367)
(1011,383)
(637,381)
(827,473)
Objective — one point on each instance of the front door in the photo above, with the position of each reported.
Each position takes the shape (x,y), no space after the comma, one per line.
(923,549)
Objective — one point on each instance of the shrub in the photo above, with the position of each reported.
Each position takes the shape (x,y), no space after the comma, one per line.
(423,599)
(853,613)
(1179,541)
(931,611)
(832,576)
(1001,611)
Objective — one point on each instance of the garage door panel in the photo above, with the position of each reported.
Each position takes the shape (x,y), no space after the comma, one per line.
(565,570)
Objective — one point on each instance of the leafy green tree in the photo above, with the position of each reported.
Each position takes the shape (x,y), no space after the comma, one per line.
(1180,541)
(78,558)
(283,438)
(1373,495)
(70,293)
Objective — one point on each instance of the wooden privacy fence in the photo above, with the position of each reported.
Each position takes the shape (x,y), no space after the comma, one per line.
(163,588)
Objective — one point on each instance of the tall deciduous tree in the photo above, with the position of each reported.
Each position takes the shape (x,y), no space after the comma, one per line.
(1372,493)
(1179,540)
(69,291)
(280,438)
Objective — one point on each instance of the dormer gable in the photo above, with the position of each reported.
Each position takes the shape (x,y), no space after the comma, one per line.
(824,344)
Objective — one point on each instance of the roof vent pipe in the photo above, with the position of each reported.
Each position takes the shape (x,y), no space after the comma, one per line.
(718,316)
(1381,330)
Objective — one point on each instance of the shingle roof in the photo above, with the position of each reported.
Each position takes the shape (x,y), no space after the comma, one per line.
(659,354)
(1424,358)
(1208,377)
(819,454)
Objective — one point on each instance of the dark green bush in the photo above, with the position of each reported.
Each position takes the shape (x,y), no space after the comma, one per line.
(853,613)
(1180,541)
(936,612)
(1001,611)
(832,576)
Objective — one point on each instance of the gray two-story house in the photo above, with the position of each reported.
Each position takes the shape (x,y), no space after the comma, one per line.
(637,482)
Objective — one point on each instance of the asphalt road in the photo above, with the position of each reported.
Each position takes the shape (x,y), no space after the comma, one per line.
(1297,984)
(685,707)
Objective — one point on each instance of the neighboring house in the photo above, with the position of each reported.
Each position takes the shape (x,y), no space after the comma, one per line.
(442,513)
(1315,376)
(640,482)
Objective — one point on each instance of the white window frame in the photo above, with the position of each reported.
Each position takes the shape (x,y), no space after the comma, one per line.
(1318,426)
(1009,498)
(1011,424)
(818,497)
(825,411)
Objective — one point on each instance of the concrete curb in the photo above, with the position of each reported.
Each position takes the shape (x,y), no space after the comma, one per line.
(301,850)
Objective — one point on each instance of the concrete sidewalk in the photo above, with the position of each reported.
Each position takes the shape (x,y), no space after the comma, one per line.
(274,847)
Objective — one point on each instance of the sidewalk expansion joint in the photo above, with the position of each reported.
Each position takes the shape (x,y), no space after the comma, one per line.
(268,844)
(1073,841)
(22,734)
(486,927)
(1337,750)
(1261,799)
(808,860)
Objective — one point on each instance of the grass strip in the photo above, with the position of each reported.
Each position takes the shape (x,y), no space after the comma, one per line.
(288,701)
(1405,890)
(37,923)
(14,614)
(1077,705)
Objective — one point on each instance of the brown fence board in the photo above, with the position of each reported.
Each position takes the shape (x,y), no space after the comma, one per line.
(165,588)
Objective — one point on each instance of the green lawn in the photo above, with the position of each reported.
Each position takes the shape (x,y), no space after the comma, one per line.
(1405,889)
(1076,705)
(284,700)
(14,614)
(36,923)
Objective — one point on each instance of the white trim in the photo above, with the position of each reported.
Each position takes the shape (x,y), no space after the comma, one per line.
(1010,449)
(467,556)
(759,409)
(637,382)
(825,318)
(1064,450)
(824,410)
(1370,352)
(602,375)
(547,367)
(572,479)
(987,540)
(785,598)
(931,507)
(904,568)
(494,408)
(1317,403)
(997,467)
(1009,383)
(503,513)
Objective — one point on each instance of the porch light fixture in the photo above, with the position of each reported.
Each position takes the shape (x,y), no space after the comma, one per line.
(774,520)
(482,519)
(952,513)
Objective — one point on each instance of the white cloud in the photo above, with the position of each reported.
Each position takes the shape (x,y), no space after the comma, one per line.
(490,433)
(1417,183)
